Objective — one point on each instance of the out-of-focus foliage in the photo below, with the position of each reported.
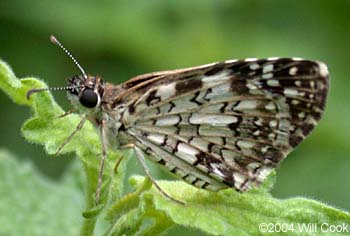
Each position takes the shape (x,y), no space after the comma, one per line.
(120,39)
(32,205)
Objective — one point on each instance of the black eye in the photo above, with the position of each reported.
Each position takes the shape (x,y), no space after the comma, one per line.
(88,98)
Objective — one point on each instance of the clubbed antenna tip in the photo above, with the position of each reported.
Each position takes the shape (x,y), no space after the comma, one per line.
(31,91)
(53,39)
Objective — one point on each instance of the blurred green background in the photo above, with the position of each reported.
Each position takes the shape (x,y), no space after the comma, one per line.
(121,39)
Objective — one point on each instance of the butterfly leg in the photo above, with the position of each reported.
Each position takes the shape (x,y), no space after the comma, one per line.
(66,113)
(69,138)
(127,146)
(141,157)
(118,163)
(102,163)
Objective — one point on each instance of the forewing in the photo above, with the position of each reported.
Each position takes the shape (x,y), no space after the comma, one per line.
(230,123)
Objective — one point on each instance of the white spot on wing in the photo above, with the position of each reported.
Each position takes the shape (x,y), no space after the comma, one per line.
(256,133)
(270,106)
(246,105)
(215,140)
(251,86)
(273,123)
(204,66)
(297,59)
(254,66)
(187,152)
(263,172)
(166,91)
(231,61)
(295,102)
(312,84)
(272,136)
(293,70)
(212,119)
(252,166)
(168,120)
(229,156)
(273,83)
(290,92)
(200,143)
(323,69)
(156,138)
(301,115)
(259,122)
(264,149)
(219,91)
(245,144)
(268,68)
(250,59)
(239,179)
(217,171)
(267,76)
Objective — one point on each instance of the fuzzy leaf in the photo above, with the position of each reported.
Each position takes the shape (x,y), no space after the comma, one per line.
(32,205)
(231,213)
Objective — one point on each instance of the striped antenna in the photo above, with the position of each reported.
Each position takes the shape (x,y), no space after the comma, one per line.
(55,41)
(31,91)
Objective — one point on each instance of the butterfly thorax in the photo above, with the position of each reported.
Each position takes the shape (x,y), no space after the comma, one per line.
(113,108)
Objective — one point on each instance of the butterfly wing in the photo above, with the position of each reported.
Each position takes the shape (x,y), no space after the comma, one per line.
(226,124)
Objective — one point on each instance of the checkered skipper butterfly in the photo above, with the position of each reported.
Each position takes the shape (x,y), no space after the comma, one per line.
(216,126)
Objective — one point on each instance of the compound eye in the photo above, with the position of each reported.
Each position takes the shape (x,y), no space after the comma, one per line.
(88,98)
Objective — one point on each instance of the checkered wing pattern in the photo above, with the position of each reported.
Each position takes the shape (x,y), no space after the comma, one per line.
(225,124)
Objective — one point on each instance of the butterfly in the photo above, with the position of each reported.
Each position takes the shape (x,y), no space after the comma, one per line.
(216,126)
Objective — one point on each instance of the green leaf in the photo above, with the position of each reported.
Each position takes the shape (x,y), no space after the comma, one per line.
(33,205)
(229,212)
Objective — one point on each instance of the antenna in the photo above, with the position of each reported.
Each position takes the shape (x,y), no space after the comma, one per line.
(55,41)
(31,91)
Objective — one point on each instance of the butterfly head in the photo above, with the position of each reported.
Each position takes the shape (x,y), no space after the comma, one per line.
(85,90)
